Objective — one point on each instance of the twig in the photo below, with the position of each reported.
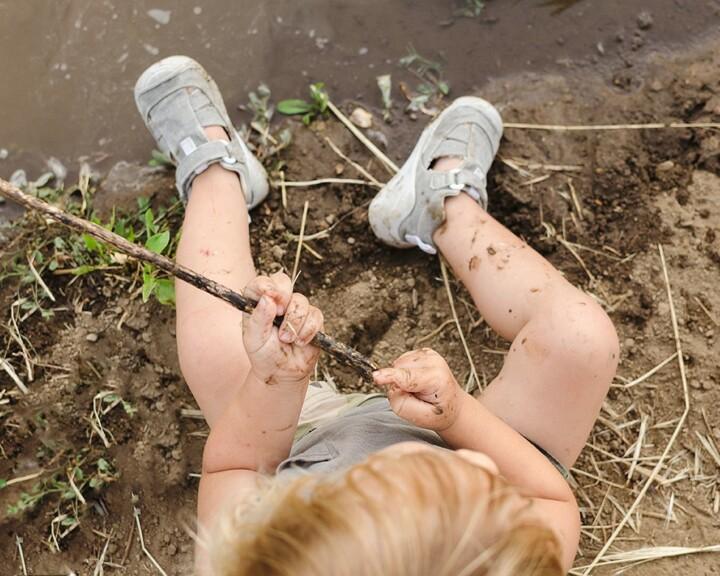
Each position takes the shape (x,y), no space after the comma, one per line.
(39,279)
(676,433)
(651,372)
(99,570)
(320,182)
(283,190)
(13,375)
(391,167)
(300,241)
(443,269)
(342,353)
(128,545)
(18,542)
(590,127)
(704,309)
(24,478)
(336,149)
(434,332)
(136,513)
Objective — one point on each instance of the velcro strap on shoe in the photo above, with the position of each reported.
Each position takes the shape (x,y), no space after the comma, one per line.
(197,159)
(468,178)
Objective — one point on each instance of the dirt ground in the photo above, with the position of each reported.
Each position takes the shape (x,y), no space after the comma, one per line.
(596,203)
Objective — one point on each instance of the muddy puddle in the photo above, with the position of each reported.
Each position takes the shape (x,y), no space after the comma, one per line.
(68,66)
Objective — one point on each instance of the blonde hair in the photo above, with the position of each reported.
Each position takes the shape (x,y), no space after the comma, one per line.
(428,513)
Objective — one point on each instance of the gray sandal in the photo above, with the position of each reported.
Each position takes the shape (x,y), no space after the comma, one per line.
(177,99)
(409,208)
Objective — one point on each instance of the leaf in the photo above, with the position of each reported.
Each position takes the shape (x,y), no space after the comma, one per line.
(293,107)
(158,242)
(3,483)
(150,222)
(319,96)
(90,243)
(148,287)
(165,291)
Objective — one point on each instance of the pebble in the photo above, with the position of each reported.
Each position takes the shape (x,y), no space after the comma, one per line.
(665,166)
(656,86)
(92,337)
(629,343)
(645,20)
(4,153)
(351,240)
(160,16)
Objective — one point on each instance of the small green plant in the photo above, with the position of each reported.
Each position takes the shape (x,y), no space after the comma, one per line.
(432,88)
(472,8)
(159,159)
(317,106)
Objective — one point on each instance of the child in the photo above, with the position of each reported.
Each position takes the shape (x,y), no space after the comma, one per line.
(428,480)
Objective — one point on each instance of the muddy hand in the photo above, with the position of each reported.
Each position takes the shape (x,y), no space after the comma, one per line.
(422,389)
(281,354)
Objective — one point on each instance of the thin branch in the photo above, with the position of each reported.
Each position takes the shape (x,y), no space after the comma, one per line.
(389,164)
(300,241)
(342,353)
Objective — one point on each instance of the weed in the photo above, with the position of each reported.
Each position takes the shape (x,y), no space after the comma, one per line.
(159,159)
(432,88)
(472,8)
(317,106)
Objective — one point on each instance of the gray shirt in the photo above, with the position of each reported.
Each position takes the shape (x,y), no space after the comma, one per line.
(352,437)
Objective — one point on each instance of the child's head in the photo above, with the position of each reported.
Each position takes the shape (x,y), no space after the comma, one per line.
(423,513)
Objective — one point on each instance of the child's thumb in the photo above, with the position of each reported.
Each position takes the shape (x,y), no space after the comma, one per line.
(260,325)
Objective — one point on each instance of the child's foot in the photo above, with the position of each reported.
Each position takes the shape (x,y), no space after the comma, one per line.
(408,210)
(178,100)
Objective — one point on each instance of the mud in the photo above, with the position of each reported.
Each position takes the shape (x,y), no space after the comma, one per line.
(632,190)
(68,67)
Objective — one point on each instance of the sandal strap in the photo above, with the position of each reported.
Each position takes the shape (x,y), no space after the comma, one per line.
(198,158)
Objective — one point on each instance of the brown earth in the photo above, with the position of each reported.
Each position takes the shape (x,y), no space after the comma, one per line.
(634,189)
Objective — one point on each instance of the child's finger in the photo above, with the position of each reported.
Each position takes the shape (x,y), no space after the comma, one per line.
(409,407)
(406,379)
(264,286)
(313,324)
(295,316)
(258,328)
(284,287)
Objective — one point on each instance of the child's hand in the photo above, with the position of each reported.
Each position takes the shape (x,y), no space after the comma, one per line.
(281,355)
(422,389)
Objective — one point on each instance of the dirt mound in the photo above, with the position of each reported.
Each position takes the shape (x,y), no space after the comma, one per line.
(108,399)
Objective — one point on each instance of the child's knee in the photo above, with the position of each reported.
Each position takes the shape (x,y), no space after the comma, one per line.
(587,341)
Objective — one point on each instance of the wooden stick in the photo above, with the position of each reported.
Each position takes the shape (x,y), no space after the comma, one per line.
(342,353)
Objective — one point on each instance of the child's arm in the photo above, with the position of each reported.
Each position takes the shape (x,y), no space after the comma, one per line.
(422,390)
(255,432)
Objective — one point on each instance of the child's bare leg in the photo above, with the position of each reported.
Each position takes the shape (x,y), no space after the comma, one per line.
(215,242)
(564,348)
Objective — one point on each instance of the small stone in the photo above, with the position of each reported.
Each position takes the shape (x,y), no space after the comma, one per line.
(656,86)
(92,337)
(197,10)
(695,384)
(4,153)
(665,166)
(278,252)
(629,344)
(410,282)
(160,16)
(361,118)
(351,240)
(339,169)
(330,219)
(645,20)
